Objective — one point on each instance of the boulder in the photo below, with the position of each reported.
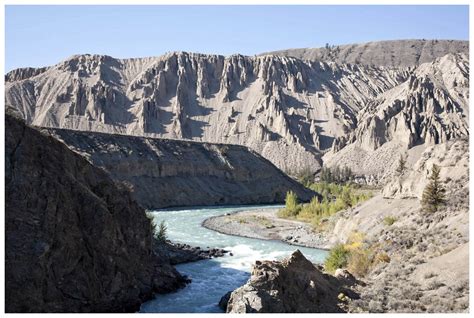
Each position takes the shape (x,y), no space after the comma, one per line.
(345,277)
(293,285)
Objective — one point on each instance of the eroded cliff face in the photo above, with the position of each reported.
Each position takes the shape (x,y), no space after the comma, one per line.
(164,173)
(453,159)
(289,110)
(286,109)
(430,107)
(74,240)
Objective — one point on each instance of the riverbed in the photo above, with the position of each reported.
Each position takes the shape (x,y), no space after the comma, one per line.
(212,278)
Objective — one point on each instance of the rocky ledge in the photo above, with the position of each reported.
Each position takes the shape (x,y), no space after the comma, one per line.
(177,253)
(293,285)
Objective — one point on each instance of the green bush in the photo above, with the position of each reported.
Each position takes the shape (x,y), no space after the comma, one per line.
(389,220)
(338,258)
(292,208)
(161,234)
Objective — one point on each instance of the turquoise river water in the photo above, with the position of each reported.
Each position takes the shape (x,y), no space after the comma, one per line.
(211,279)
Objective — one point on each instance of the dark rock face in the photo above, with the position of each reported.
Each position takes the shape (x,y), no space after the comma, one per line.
(75,240)
(293,285)
(165,173)
(224,301)
(177,253)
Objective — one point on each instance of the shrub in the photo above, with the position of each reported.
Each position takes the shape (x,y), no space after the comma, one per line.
(291,200)
(305,176)
(161,234)
(433,195)
(346,196)
(311,210)
(359,261)
(389,220)
(291,206)
(335,198)
(382,257)
(355,240)
(337,258)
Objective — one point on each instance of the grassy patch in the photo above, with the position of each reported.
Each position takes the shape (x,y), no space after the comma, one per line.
(263,221)
(389,220)
(356,255)
(242,220)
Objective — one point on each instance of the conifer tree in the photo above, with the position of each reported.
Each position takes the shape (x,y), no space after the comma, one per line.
(433,195)
(401,165)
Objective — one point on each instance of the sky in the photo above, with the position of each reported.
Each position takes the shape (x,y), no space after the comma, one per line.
(44,35)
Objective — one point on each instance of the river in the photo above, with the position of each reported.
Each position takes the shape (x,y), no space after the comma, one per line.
(211,279)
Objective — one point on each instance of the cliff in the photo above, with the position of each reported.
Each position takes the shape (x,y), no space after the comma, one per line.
(164,173)
(75,241)
(430,108)
(292,111)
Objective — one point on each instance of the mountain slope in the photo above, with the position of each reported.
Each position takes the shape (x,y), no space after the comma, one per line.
(165,173)
(397,53)
(431,107)
(288,110)
(74,240)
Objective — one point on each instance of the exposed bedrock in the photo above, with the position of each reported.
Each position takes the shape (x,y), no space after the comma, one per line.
(293,285)
(75,241)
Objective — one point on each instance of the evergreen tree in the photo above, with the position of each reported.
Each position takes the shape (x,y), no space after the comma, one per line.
(433,195)
(305,176)
(401,165)
(326,175)
(337,175)
(162,229)
(346,196)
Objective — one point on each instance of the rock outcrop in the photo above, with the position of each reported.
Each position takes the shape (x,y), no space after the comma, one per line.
(396,53)
(75,241)
(293,285)
(178,253)
(165,173)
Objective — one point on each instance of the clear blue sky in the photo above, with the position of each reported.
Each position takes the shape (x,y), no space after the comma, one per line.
(44,35)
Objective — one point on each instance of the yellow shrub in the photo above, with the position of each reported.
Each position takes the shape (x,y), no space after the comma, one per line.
(359,262)
(355,240)
(382,257)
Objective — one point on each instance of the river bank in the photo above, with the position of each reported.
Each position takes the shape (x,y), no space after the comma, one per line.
(265,224)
